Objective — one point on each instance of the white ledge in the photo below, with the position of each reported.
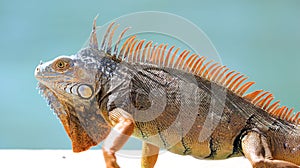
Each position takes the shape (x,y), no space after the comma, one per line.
(94,159)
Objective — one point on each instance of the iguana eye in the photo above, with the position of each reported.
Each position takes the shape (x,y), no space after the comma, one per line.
(61,65)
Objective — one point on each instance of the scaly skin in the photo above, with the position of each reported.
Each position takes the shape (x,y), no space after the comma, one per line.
(165,107)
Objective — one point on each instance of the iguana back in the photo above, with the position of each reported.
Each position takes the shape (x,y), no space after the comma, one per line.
(188,114)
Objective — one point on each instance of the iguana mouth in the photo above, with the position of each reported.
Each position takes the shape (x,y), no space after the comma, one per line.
(39,75)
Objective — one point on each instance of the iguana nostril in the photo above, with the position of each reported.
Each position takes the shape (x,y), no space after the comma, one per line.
(37,70)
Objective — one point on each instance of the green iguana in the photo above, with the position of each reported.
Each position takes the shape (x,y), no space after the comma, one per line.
(179,102)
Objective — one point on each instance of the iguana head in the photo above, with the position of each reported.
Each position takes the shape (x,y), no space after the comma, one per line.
(71,84)
(72,78)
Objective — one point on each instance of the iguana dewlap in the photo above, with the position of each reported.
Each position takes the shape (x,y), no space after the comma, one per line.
(176,101)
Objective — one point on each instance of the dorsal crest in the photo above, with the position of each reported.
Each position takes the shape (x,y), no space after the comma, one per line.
(161,55)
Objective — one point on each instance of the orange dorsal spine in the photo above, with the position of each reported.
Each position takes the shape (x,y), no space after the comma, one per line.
(160,55)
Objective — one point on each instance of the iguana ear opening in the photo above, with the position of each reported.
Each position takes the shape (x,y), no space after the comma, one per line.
(81,138)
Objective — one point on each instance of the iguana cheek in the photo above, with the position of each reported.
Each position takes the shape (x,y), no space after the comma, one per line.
(81,75)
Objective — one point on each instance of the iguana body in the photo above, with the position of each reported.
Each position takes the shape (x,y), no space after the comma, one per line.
(185,105)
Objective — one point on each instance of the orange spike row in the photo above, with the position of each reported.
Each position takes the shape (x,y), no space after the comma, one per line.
(151,53)
(231,84)
(166,62)
(228,81)
(252,95)
(183,60)
(235,82)
(217,73)
(197,66)
(224,78)
(212,73)
(119,40)
(161,60)
(268,103)
(258,98)
(171,63)
(193,64)
(244,88)
(237,85)
(136,57)
(103,44)
(124,46)
(296,118)
(154,53)
(131,49)
(221,76)
(179,59)
(109,43)
(204,67)
(148,55)
(278,112)
(141,49)
(162,56)
(207,70)
(273,107)
(284,112)
(158,54)
(262,102)
(93,42)
(189,62)
(288,115)
(148,45)
(127,49)
(211,70)
(273,111)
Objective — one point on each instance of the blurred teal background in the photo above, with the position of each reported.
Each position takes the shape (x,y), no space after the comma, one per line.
(260,38)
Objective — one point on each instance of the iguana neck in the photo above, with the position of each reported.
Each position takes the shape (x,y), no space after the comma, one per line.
(113,75)
(107,67)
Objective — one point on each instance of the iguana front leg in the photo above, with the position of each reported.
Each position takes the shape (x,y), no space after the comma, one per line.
(123,128)
(256,149)
(149,155)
